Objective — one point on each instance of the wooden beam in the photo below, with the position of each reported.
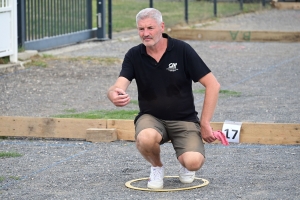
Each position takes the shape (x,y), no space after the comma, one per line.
(252,133)
(233,35)
(47,127)
(286,5)
(216,125)
(101,135)
(256,133)
(263,133)
(125,128)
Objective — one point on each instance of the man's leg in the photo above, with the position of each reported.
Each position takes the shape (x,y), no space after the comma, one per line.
(148,140)
(148,144)
(188,144)
(189,148)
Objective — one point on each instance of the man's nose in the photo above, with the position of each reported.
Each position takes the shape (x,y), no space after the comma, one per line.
(146,32)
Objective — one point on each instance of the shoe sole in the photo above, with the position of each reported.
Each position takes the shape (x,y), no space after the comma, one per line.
(185,181)
(155,186)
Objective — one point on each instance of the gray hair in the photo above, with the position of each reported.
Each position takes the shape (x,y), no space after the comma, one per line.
(149,13)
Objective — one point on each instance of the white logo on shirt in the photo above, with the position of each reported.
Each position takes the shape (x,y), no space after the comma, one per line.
(172,67)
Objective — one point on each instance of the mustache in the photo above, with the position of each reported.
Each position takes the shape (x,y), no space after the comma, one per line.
(147,37)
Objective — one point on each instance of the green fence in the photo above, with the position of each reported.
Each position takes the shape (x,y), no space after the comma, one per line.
(49,18)
(44,24)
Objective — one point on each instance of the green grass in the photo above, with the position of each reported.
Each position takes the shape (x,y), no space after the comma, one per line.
(124,12)
(3,137)
(4,60)
(102,114)
(221,92)
(9,154)
(14,177)
(47,56)
(97,60)
(39,63)
(42,61)
(135,102)
(199,91)
(21,49)
(230,93)
(2,178)
(70,110)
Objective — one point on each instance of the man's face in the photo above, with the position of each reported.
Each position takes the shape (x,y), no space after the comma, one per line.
(150,31)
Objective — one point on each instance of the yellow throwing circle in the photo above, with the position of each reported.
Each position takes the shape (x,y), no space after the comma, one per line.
(128,184)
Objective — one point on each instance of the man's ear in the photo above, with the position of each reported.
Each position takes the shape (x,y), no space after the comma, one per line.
(163,26)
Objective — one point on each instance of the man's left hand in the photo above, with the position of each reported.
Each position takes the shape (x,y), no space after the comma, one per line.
(207,134)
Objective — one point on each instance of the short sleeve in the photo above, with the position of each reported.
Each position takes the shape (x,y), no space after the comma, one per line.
(195,66)
(127,70)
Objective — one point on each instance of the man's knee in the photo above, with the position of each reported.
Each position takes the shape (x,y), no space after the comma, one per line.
(193,161)
(194,165)
(148,137)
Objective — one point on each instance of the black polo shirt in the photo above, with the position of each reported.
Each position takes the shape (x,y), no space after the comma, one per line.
(165,87)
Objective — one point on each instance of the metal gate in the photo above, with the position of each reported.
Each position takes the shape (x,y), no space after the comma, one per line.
(8,29)
(45,24)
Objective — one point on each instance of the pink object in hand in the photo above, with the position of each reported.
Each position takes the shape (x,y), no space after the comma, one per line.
(220,136)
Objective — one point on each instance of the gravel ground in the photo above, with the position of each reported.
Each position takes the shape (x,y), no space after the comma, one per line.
(81,170)
(265,77)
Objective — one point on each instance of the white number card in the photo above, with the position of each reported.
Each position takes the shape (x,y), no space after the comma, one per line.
(232,131)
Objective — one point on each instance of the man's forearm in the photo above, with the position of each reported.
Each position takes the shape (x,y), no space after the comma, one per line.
(209,104)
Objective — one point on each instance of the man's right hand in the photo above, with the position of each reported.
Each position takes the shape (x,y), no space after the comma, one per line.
(118,97)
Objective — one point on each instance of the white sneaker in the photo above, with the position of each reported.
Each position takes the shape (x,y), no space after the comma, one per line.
(156,179)
(186,176)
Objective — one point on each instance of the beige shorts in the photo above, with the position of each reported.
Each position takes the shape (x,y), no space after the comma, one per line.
(185,136)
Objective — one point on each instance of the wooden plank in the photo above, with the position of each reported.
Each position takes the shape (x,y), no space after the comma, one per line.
(255,133)
(263,133)
(125,128)
(216,125)
(47,127)
(286,5)
(101,135)
(234,35)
